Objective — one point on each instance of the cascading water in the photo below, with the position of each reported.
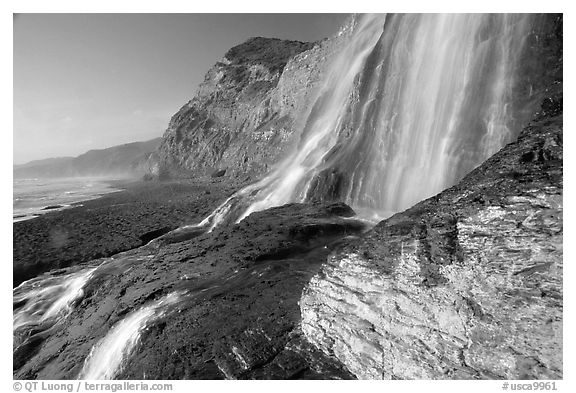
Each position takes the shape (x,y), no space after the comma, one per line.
(44,299)
(50,298)
(411,104)
(106,357)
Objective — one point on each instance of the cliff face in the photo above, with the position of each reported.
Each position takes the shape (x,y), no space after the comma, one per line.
(245,113)
(466,284)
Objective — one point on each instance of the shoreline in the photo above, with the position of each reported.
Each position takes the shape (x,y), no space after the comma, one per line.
(106,186)
(112,223)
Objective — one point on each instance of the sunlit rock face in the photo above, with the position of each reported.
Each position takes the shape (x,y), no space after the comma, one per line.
(467,284)
(247,111)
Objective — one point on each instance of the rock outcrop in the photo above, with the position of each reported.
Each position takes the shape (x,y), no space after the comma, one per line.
(246,113)
(466,284)
(239,317)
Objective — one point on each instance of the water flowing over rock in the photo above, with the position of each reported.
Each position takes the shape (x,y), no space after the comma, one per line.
(243,117)
(45,298)
(235,313)
(282,279)
(107,356)
(467,284)
(408,105)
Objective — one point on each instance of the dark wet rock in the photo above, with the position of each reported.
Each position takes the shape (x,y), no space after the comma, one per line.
(467,284)
(149,236)
(239,317)
(26,350)
(329,185)
(179,235)
(51,207)
(219,173)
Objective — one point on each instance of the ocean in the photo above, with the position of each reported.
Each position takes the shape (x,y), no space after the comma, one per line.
(34,197)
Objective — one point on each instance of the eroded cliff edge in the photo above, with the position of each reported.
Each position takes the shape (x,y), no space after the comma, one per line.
(466,284)
(245,115)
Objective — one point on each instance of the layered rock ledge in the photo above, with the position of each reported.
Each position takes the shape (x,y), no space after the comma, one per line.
(239,318)
(466,284)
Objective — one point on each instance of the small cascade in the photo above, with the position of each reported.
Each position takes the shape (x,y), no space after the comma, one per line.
(107,356)
(42,302)
(44,299)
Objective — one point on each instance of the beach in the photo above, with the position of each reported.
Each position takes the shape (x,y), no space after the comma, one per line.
(117,221)
(34,197)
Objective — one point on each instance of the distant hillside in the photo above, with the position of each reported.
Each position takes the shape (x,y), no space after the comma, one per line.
(127,159)
(46,161)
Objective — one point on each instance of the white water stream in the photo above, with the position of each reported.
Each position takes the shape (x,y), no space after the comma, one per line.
(410,105)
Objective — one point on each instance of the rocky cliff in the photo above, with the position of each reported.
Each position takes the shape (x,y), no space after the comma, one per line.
(245,114)
(466,284)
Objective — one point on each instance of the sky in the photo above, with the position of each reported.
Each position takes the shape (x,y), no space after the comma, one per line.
(90,81)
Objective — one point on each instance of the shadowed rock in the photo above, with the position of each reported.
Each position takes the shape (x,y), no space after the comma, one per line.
(237,315)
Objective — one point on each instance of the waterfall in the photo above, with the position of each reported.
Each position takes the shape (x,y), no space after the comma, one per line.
(106,357)
(410,105)
(47,298)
